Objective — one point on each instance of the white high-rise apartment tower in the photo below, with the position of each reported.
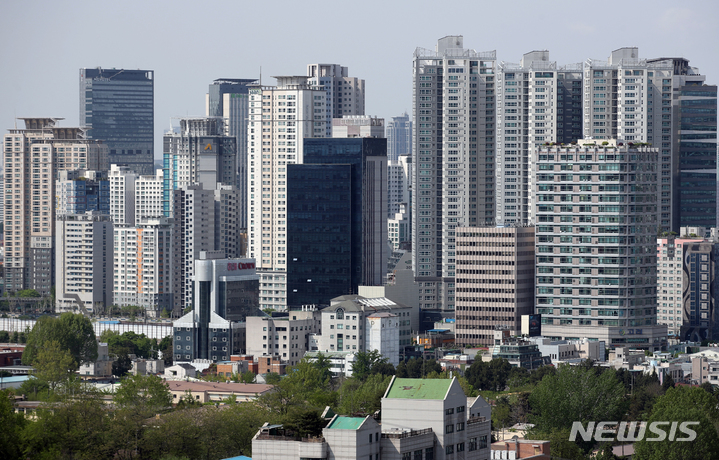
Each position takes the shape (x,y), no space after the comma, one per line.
(33,157)
(637,100)
(344,95)
(280,118)
(537,102)
(453,170)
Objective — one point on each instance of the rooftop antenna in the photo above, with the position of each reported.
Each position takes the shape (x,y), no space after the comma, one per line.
(260,75)
(15,116)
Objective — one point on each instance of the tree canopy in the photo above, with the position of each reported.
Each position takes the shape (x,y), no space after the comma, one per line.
(683,404)
(73,332)
(577,393)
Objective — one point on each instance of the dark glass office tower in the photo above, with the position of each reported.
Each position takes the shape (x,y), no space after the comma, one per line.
(336,219)
(695,119)
(118,105)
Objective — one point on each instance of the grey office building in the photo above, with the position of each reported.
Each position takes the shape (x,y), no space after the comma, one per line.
(229,98)
(399,137)
(118,105)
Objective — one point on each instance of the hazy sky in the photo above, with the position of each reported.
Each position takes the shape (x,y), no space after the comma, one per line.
(188,44)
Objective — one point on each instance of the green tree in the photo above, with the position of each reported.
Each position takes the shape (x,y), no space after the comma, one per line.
(247,377)
(306,386)
(579,394)
(683,404)
(75,428)
(367,363)
(145,393)
(305,423)
(53,364)
(357,397)
(166,351)
(273,378)
(11,427)
(74,332)
(501,413)
(28,293)
(492,375)
(122,364)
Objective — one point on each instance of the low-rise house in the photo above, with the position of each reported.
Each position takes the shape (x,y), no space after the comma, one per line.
(516,449)
(341,362)
(147,367)
(205,392)
(180,371)
(102,367)
(230,368)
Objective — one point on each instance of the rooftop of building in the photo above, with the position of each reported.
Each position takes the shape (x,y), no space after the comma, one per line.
(418,388)
(227,387)
(358,303)
(346,423)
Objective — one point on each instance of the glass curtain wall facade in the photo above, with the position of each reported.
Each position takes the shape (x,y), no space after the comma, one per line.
(118,105)
(696,114)
(320,245)
(364,203)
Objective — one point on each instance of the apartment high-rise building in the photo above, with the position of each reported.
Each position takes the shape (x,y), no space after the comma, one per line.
(194,231)
(453,165)
(694,146)
(537,102)
(398,228)
(336,224)
(78,192)
(200,153)
(142,241)
(143,265)
(33,156)
(229,98)
(122,194)
(84,262)
(205,221)
(280,118)
(357,126)
(399,178)
(662,102)
(117,107)
(344,95)
(228,235)
(495,281)
(399,137)
(596,243)
(686,287)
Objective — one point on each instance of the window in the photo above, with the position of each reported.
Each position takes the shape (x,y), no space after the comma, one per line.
(449,428)
(472,444)
(483,442)
(449,449)
(460,409)
(460,447)
(460,426)
(449,411)
(429,453)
